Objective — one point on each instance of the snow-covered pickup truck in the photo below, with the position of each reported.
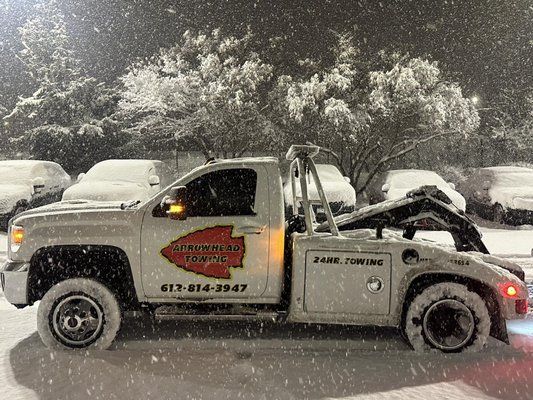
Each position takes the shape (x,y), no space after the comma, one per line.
(218,245)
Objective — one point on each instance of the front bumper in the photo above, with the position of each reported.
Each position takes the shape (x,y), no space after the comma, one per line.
(518,216)
(14,280)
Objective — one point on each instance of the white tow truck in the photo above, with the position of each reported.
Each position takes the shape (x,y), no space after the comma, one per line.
(217,244)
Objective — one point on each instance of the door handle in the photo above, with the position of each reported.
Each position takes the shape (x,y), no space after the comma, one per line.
(247,230)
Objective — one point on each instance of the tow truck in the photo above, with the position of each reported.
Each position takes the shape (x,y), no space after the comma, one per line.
(217,245)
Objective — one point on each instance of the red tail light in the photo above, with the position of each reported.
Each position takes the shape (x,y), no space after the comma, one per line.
(521,306)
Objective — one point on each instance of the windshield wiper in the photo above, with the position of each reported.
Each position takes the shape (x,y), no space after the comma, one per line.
(129,204)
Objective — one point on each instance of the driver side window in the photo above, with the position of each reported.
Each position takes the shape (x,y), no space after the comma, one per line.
(228,192)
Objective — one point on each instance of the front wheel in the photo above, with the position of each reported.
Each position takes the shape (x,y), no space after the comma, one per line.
(448,317)
(78,313)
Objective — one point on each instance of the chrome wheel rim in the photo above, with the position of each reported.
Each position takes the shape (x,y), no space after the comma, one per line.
(448,324)
(78,320)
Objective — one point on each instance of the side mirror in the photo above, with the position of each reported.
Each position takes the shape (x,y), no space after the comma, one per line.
(451,185)
(385,188)
(38,184)
(174,205)
(347,179)
(80,176)
(153,180)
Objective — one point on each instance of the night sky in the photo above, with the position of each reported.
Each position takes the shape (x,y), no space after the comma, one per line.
(486,44)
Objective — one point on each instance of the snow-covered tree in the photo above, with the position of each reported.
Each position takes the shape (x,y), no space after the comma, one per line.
(508,125)
(368,113)
(65,100)
(208,91)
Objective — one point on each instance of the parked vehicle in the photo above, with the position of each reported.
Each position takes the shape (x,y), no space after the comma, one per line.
(27,184)
(395,184)
(341,195)
(503,194)
(217,245)
(120,180)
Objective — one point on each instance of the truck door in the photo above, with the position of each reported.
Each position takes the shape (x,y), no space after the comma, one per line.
(221,250)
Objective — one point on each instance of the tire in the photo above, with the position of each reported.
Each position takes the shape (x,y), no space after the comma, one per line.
(432,320)
(78,313)
(498,214)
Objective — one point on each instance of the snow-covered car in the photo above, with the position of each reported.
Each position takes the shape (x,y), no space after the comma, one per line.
(26,184)
(341,195)
(120,180)
(395,184)
(503,194)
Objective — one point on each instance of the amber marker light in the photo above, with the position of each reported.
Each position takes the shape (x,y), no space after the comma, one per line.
(17,235)
(176,209)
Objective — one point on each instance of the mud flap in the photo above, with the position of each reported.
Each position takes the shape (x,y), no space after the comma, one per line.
(498,329)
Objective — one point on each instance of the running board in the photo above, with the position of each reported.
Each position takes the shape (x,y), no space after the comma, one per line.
(174,313)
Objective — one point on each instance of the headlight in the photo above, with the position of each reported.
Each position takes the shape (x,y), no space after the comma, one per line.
(17,237)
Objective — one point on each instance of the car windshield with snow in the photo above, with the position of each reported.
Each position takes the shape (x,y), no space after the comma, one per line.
(341,195)
(120,180)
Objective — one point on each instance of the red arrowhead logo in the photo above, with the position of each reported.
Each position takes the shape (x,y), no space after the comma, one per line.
(209,252)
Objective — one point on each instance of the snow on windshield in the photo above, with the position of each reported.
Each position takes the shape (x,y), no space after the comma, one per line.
(335,187)
(18,171)
(414,178)
(514,179)
(120,170)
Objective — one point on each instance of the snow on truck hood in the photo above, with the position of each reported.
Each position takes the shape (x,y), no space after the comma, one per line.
(10,194)
(73,206)
(107,191)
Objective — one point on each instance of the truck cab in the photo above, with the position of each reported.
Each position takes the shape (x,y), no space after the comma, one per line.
(217,244)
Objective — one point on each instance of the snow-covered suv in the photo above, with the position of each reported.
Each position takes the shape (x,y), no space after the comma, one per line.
(27,184)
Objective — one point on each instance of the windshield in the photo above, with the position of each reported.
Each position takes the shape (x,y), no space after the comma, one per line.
(515,180)
(413,179)
(125,171)
(16,173)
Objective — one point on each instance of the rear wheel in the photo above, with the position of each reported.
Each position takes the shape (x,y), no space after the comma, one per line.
(78,313)
(448,317)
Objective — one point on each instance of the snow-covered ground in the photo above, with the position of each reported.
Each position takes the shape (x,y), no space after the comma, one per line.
(252,361)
